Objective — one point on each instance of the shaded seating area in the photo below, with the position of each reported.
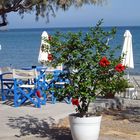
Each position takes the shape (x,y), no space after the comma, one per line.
(35,85)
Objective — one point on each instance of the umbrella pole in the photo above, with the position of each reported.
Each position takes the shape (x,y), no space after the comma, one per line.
(128,76)
(44,64)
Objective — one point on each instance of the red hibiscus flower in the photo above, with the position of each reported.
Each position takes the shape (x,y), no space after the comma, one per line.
(38,93)
(50,57)
(49,37)
(104,62)
(120,68)
(75,101)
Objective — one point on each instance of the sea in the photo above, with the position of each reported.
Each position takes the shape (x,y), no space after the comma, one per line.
(20,47)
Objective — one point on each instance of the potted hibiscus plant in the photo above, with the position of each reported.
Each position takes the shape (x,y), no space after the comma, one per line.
(89,62)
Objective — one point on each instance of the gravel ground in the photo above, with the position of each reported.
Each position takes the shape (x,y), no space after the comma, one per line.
(120,125)
(115,125)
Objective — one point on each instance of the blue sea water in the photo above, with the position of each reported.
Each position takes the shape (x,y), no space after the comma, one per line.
(20,47)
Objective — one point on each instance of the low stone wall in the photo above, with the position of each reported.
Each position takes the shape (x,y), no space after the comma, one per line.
(116,104)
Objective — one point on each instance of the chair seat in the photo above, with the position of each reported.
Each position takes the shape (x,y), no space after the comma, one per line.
(27,86)
(48,80)
(60,83)
(8,82)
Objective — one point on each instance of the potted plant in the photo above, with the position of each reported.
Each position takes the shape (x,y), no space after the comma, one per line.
(89,63)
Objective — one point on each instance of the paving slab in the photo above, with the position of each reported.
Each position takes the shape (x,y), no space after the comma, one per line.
(27,122)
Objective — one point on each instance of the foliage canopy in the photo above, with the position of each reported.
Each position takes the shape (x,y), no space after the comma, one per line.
(41,7)
(90,63)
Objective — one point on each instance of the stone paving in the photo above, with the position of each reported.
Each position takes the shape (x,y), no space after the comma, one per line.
(27,122)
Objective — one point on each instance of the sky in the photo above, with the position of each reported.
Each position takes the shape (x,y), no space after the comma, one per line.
(113,12)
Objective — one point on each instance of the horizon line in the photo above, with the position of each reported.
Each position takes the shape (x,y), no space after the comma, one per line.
(6,28)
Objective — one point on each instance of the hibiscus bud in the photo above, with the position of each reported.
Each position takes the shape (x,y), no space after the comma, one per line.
(49,38)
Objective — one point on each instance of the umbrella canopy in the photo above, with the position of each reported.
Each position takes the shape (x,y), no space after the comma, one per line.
(127,51)
(43,53)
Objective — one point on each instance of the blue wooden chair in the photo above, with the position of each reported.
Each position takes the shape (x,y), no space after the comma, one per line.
(26,88)
(57,83)
(7,82)
(48,84)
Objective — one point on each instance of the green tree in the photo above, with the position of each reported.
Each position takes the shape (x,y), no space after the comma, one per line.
(41,8)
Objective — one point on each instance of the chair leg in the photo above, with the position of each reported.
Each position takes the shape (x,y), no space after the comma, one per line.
(3,95)
(2,92)
(68,100)
(15,99)
(44,100)
(38,101)
(29,95)
(53,98)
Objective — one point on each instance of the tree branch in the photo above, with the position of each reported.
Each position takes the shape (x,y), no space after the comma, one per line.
(7,6)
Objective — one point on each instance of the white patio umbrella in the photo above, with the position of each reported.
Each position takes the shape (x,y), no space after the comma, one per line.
(43,55)
(127,52)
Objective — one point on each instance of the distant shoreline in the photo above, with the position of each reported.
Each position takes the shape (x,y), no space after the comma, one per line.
(71,27)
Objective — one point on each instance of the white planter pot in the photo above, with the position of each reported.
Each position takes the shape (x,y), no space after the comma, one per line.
(86,128)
